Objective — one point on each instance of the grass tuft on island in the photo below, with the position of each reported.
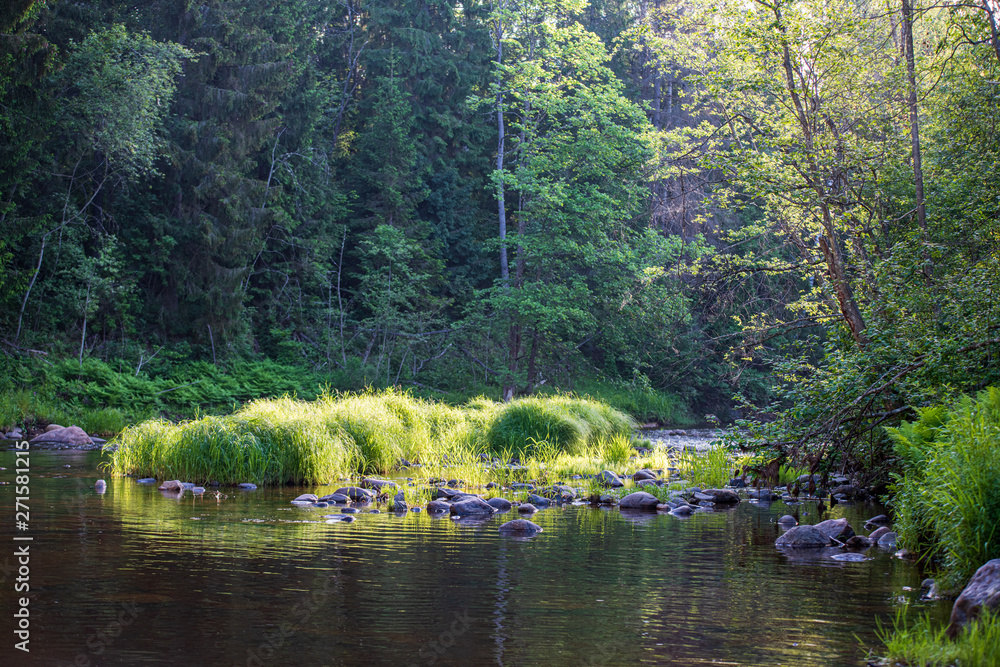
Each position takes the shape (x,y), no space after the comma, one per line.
(278,441)
(923,643)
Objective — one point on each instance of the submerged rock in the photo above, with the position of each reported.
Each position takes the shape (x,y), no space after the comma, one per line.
(723,496)
(520,527)
(878,521)
(335,498)
(500,504)
(355,493)
(888,540)
(438,506)
(803,537)
(877,533)
(526,508)
(858,542)
(100,486)
(683,510)
(640,500)
(306,498)
(538,501)
(981,593)
(247,486)
(472,506)
(146,480)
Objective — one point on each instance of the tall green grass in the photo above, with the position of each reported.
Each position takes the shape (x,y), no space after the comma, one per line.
(947,498)
(282,440)
(924,644)
(711,469)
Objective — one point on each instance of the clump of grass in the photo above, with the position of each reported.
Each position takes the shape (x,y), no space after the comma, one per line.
(711,469)
(616,449)
(924,644)
(947,500)
(570,424)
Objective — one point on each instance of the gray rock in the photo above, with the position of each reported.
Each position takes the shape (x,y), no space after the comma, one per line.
(803,537)
(446,493)
(683,510)
(247,486)
(347,519)
(355,493)
(349,510)
(72,435)
(500,504)
(929,590)
(538,501)
(521,486)
(846,490)
(172,485)
(981,593)
(788,520)
(877,533)
(306,498)
(526,508)
(100,486)
(146,480)
(858,542)
(738,483)
(435,506)
(608,478)
(888,540)
(198,490)
(640,500)
(335,498)
(722,496)
(377,484)
(646,482)
(53,427)
(643,474)
(472,506)
(878,521)
(520,527)
(836,529)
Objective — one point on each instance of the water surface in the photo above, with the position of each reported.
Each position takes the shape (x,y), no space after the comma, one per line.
(134,577)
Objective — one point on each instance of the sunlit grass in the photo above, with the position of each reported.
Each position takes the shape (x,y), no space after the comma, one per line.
(711,469)
(923,643)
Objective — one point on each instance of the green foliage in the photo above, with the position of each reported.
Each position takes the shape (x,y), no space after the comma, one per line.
(712,469)
(947,499)
(567,423)
(921,642)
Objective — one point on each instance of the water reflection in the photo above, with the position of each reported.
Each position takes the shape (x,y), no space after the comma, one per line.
(247,578)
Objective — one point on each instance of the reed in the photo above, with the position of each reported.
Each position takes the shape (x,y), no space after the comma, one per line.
(923,643)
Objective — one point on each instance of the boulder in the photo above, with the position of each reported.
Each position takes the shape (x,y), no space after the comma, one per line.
(836,529)
(877,533)
(53,427)
(640,500)
(646,482)
(377,484)
(146,480)
(500,504)
(172,485)
(355,493)
(520,527)
(306,498)
(738,483)
(608,478)
(846,490)
(683,510)
(71,435)
(643,474)
(982,592)
(787,520)
(526,508)
(247,486)
(722,496)
(438,506)
(399,502)
(446,493)
(472,506)
(803,537)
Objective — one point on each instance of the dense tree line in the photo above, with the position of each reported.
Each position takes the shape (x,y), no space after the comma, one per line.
(790,201)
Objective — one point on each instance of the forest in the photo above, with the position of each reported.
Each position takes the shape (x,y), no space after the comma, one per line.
(780,216)
(784,213)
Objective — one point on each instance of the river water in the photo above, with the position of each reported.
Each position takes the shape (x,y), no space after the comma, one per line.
(134,577)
